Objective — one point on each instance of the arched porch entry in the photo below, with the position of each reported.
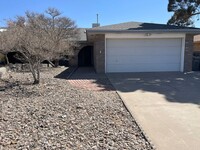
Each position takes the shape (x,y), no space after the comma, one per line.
(85,56)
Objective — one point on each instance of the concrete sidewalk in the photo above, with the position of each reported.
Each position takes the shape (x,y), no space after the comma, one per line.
(166,105)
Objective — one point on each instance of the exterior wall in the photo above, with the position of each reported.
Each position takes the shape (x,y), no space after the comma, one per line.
(99,53)
(188,52)
(196,47)
(73,59)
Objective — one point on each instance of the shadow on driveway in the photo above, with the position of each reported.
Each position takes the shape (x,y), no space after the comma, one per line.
(176,87)
(66,73)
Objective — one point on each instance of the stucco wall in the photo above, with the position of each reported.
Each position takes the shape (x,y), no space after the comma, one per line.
(188,52)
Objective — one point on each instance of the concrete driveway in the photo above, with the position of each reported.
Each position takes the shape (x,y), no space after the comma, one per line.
(166,105)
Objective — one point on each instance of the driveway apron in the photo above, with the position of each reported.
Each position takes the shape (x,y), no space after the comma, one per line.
(165,105)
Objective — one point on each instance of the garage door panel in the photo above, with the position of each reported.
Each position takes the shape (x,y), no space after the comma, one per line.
(143,55)
(141,68)
(148,51)
(124,43)
(127,59)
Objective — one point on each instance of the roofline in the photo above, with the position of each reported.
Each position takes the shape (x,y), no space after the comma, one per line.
(191,31)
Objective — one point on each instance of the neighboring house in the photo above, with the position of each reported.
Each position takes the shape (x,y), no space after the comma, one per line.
(138,47)
(2,29)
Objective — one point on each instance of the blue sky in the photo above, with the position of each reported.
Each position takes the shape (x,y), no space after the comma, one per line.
(84,11)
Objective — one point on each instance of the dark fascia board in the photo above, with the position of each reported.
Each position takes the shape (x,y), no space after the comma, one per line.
(189,31)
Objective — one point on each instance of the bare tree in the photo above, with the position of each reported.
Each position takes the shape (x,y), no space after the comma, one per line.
(40,37)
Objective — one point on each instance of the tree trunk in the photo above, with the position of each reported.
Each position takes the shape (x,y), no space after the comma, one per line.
(35,77)
(49,62)
(7,61)
(36,81)
(35,70)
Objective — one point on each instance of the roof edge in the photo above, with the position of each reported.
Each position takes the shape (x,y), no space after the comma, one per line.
(192,31)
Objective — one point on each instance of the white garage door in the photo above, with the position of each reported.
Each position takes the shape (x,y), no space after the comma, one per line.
(143,55)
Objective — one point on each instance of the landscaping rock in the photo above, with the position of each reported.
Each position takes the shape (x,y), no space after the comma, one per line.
(55,115)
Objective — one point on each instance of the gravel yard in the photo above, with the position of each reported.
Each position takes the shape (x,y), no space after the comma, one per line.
(55,115)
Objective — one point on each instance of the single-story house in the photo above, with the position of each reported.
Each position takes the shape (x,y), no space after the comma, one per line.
(136,47)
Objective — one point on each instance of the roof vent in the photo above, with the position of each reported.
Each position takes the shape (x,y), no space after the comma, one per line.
(94,25)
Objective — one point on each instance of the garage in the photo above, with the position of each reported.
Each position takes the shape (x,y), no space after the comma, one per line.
(143,55)
(142,47)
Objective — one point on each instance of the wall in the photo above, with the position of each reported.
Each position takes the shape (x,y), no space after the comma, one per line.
(73,59)
(196,47)
(99,53)
(188,52)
